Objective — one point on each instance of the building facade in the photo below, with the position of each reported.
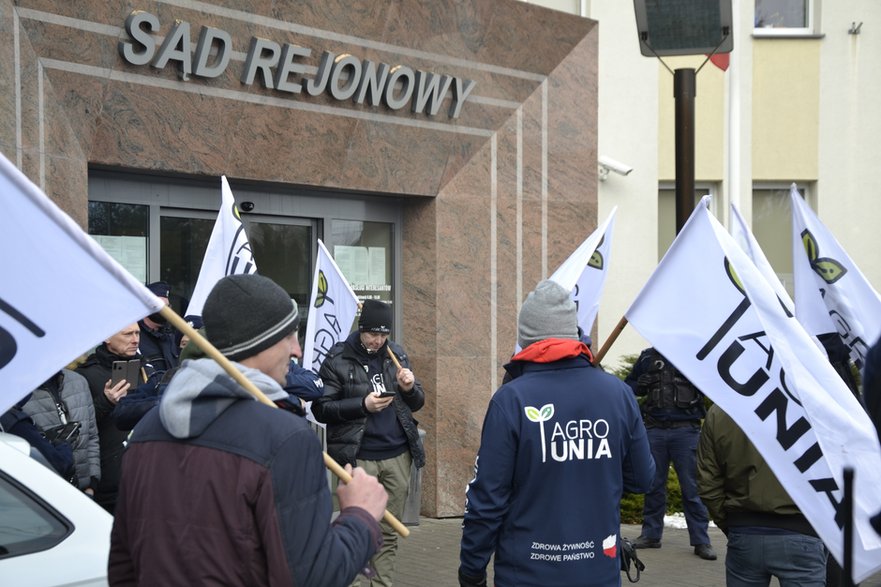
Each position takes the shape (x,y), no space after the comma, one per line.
(796,104)
(443,151)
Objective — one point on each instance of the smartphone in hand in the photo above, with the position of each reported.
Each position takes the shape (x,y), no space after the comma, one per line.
(125,370)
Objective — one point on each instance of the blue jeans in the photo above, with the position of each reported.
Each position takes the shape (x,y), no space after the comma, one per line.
(797,560)
(678,445)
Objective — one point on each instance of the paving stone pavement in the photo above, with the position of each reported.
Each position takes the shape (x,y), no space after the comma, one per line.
(430,557)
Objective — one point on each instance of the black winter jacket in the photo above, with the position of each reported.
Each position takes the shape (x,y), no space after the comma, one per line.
(342,406)
(97,371)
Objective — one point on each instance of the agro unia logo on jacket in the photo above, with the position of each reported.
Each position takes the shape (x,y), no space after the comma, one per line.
(573,440)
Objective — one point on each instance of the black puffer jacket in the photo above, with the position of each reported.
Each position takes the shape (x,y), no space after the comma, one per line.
(342,406)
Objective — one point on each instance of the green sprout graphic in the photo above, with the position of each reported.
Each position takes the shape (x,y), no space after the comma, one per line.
(322,289)
(596,259)
(540,416)
(829,269)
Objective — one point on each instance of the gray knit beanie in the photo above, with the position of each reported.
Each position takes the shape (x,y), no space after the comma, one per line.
(246,314)
(548,312)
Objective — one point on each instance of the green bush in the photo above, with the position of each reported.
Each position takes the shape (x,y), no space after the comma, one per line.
(631,503)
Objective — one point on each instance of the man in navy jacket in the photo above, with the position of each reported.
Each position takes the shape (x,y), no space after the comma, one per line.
(561,442)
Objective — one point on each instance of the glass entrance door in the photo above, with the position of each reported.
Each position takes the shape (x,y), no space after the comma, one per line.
(158,228)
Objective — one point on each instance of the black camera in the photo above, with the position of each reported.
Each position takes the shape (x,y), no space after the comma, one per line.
(64,433)
(246,206)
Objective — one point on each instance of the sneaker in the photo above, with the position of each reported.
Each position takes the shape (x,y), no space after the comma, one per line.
(705,551)
(643,542)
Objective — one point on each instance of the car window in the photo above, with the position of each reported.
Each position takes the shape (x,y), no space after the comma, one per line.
(27,524)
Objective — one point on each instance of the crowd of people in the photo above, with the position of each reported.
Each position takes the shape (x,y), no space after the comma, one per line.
(207,485)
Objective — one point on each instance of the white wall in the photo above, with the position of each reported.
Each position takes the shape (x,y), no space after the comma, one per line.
(849,183)
(848,149)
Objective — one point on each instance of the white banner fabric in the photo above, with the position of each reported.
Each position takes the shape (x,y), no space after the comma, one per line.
(228,251)
(332,309)
(584,272)
(61,295)
(829,284)
(710,311)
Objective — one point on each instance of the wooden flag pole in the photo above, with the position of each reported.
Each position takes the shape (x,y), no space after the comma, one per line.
(613,336)
(240,378)
(394,358)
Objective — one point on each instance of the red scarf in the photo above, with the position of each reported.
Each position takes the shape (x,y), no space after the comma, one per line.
(553,349)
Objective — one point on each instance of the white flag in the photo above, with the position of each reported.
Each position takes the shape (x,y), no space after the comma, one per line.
(710,311)
(584,272)
(61,293)
(228,252)
(743,236)
(332,309)
(829,284)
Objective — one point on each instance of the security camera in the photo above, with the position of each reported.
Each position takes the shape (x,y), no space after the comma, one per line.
(247,206)
(607,164)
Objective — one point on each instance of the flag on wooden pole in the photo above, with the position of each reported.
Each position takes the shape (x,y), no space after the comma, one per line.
(61,293)
(332,309)
(709,310)
(830,289)
(584,272)
(228,251)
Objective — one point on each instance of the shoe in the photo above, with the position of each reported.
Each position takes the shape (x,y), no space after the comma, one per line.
(643,542)
(705,551)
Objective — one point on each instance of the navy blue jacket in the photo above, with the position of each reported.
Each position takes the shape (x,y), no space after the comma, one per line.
(160,347)
(561,442)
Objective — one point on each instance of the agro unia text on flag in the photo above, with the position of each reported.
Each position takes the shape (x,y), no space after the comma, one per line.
(228,251)
(709,310)
(61,294)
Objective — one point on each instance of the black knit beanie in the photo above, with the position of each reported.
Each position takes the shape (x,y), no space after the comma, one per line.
(246,314)
(376,316)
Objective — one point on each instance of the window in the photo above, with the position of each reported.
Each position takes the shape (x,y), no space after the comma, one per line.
(122,230)
(28,525)
(667,213)
(363,251)
(783,17)
(772,227)
(158,228)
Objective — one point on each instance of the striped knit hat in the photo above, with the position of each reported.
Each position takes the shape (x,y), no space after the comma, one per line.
(246,314)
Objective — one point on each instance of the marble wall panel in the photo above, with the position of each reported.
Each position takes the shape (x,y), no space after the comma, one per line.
(474,239)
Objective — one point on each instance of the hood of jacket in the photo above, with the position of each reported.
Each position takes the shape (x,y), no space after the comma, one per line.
(201,390)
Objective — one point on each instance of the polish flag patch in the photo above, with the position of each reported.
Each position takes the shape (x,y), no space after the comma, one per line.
(610,546)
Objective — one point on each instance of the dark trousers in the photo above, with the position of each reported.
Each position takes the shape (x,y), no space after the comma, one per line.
(679,446)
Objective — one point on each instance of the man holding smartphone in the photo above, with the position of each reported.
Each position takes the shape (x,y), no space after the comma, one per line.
(368,406)
(106,393)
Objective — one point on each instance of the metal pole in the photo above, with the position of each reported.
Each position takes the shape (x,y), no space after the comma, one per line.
(847,512)
(684,91)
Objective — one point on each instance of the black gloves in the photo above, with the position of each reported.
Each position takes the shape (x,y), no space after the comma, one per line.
(471,580)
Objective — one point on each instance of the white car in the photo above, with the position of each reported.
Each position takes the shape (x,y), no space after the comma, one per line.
(51,534)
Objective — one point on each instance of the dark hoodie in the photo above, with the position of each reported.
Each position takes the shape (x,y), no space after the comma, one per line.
(219,488)
(560,444)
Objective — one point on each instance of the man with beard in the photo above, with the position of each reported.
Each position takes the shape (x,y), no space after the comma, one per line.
(368,406)
(159,344)
(97,369)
